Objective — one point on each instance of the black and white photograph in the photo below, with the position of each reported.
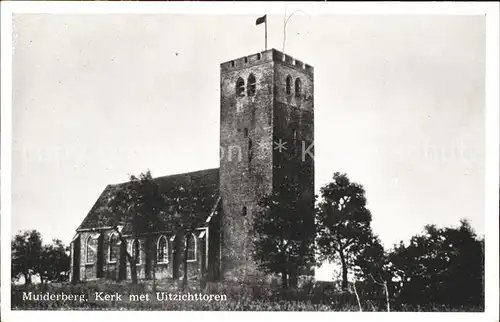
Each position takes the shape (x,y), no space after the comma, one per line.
(281,157)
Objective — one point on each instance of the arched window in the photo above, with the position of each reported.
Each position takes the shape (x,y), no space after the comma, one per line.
(288,86)
(251,85)
(91,247)
(298,87)
(136,251)
(240,87)
(113,248)
(191,248)
(244,211)
(258,56)
(162,250)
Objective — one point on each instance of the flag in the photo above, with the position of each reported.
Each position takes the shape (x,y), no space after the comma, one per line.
(261,20)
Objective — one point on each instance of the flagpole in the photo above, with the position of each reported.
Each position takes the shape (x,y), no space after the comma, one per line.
(260,20)
(266,32)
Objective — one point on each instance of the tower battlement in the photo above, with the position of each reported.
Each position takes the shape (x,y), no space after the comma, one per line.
(264,57)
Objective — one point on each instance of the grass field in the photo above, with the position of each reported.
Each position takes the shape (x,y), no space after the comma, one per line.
(232,297)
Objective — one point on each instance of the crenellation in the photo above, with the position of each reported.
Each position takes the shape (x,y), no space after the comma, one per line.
(246,61)
(271,55)
(277,56)
(309,69)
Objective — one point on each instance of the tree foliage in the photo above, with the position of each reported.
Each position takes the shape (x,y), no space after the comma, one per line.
(372,262)
(441,266)
(343,223)
(55,261)
(26,254)
(283,233)
(30,257)
(183,209)
(373,271)
(137,204)
(144,207)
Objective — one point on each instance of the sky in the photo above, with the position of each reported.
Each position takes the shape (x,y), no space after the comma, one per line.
(399,108)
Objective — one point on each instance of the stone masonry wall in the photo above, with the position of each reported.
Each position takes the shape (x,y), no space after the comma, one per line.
(110,269)
(294,124)
(246,126)
(251,126)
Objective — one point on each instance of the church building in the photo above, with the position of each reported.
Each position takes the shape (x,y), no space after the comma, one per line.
(266,136)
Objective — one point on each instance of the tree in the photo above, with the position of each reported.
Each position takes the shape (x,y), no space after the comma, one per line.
(441,266)
(141,205)
(185,204)
(55,260)
(343,223)
(138,204)
(26,253)
(284,233)
(466,269)
(373,261)
(374,270)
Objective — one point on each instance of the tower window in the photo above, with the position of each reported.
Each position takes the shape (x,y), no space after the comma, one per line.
(244,211)
(298,87)
(251,85)
(288,86)
(246,60)
(258,56)
(245,132)
(240,87)
(232,63)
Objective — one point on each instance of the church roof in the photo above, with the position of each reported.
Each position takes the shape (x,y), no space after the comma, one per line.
(202,185)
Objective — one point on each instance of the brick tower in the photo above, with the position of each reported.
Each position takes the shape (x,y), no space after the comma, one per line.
(266,132)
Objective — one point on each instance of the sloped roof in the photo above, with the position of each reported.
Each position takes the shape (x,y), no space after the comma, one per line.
(202,185)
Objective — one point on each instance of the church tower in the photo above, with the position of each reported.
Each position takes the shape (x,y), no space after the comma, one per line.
(266,136)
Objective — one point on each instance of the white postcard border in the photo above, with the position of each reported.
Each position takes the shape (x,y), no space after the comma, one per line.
(492,143)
